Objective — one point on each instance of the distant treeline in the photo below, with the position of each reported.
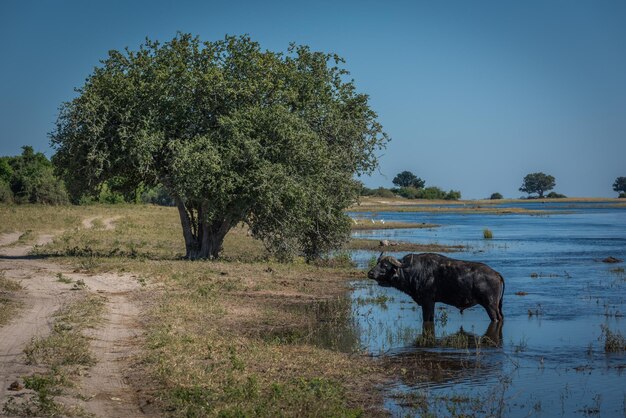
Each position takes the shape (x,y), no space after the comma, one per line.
(431,193)
(30,178)
(409,186)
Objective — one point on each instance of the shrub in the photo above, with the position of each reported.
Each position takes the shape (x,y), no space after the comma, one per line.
(487,234)
(432,193)
(622,195)
(6,195)
(159,196)
(31,179)
(408,192)
(555,195)
(453,195)
(495,196)
(382,192)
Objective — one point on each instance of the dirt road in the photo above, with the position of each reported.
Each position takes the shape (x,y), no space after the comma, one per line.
(103,391)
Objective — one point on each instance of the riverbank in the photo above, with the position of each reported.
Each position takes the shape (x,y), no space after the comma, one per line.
(371,204)
(240,336)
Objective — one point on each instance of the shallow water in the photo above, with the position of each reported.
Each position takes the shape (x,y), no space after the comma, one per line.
(551,358)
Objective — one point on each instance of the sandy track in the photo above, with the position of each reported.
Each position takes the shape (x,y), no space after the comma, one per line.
(42,295)
(114,342)
(35,320)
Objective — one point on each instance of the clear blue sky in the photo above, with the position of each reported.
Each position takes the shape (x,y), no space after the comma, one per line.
(475,94)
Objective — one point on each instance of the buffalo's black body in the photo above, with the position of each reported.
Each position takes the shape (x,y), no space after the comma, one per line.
(430,278)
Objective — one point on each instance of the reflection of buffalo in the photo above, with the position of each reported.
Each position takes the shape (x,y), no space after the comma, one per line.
(461,339)
(425,362)
(430,278)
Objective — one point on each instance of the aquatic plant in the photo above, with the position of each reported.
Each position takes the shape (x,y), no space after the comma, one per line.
(614,341)
(487,234)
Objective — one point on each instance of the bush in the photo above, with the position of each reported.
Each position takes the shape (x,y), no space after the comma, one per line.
(495,196)
(6,195)
(382,192)
(408,192)
(159,196)
(453,195)
(432,193)
(31,179)
(622,195)
(555,195)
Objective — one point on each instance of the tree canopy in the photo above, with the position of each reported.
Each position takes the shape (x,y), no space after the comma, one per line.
(620,185)
(29,178)
(232,132)
(537,183)
(408,179)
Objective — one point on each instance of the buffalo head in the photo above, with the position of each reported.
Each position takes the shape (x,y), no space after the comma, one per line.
(385,272)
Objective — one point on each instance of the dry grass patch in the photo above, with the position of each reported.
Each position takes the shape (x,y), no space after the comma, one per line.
(250,350)
(242,336)
(366,225)
(9,305)
(474,209)
(374,245)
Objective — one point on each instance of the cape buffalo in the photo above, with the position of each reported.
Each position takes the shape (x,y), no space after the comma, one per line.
(430,278)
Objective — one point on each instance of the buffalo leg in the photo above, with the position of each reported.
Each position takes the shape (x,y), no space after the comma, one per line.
(492,311)
(493,335)
(428,311)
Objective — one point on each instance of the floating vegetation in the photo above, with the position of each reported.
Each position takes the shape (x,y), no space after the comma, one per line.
(487,233)
(535,275)
(614,341)
(538,311)
(380,300)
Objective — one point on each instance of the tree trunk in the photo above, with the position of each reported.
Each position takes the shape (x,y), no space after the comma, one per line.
(203,239)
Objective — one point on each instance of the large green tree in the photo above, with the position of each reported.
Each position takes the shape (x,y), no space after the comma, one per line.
(233,132)
(537,183)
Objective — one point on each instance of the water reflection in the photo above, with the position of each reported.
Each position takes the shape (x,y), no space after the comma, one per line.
(461,339)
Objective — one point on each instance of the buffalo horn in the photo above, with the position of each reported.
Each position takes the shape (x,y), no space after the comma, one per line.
(395,262)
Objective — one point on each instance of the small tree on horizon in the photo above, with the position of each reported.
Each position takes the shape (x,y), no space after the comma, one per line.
(408,179)
(537,183)
(620,186)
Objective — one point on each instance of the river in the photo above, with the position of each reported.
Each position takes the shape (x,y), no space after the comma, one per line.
(561,304)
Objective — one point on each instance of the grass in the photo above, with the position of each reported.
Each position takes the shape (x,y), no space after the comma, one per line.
(62,356)
(242,336)
(9,305)
(614,341)
(374,245)
(243,342)
(430,208)
(366,225)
